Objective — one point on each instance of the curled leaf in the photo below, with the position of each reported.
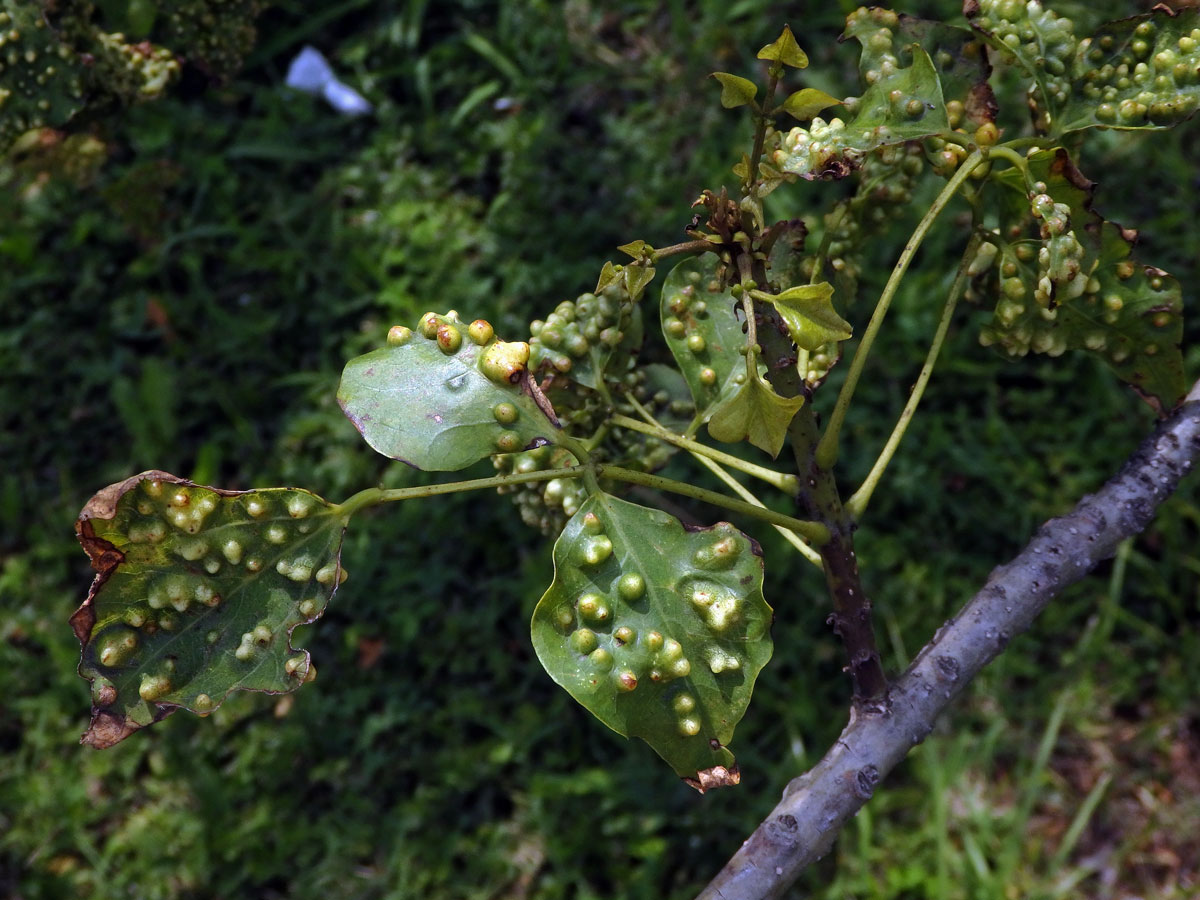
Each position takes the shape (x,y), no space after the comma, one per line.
(808,312)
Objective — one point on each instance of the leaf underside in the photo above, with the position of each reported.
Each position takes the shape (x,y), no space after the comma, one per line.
(196,595)
(659,631)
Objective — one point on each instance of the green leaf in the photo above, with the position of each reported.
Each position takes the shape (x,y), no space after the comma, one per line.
(902,105)
(754,413)
(785,50)
(659,631)
(608,273)
(807,102)
(1127,313)
(888,38)
(637,277)
(636,249)
(43,79)
(702,331)
(808,312)
(735,91)
(444,396)
(1161,54)
(196,595)
(1037,40)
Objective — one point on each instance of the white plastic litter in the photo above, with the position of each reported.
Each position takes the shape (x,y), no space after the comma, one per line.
(311,73)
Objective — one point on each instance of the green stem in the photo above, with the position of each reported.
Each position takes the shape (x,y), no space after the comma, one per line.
(760,130)
(857,504)
(1009,155)
(777,480)
(826,239)
(685,247)
(827,448)
(375,496)
(814,531)
(740,489)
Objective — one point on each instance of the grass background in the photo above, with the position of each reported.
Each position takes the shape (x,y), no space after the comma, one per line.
(186,302)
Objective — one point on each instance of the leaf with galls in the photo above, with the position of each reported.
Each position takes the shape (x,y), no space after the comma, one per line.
(703,332)
(196,595)
(445,395)
(1065,279)
(660,631)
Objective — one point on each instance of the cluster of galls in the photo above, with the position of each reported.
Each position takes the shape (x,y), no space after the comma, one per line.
(213,35)
(1152,80)
(548,505)
(1036,34)
(1036,278)
(579,347)
(885,190)
(569,333)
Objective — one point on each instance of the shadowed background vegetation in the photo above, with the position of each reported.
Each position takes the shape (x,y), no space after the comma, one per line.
(183,282)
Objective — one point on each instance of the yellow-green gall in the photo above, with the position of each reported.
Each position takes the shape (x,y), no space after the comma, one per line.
(480,331)
(503,361)
(449,338)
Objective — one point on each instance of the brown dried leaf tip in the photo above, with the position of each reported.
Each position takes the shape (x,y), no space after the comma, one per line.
(717,776)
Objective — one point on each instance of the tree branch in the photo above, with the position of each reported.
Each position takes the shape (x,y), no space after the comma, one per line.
(804,824)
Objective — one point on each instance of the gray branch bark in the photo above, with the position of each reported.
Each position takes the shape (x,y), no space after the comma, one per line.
(804,824)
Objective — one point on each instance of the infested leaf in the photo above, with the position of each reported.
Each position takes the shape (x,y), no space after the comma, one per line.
(702,331)
(196,595)
(784,49)
(900,105)
(444,396)
(958,54)
(754,413)
(1037,40)
(808,312)
(1127,313)
(735,90)
(807,102)
(1159,54)
(658,631)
